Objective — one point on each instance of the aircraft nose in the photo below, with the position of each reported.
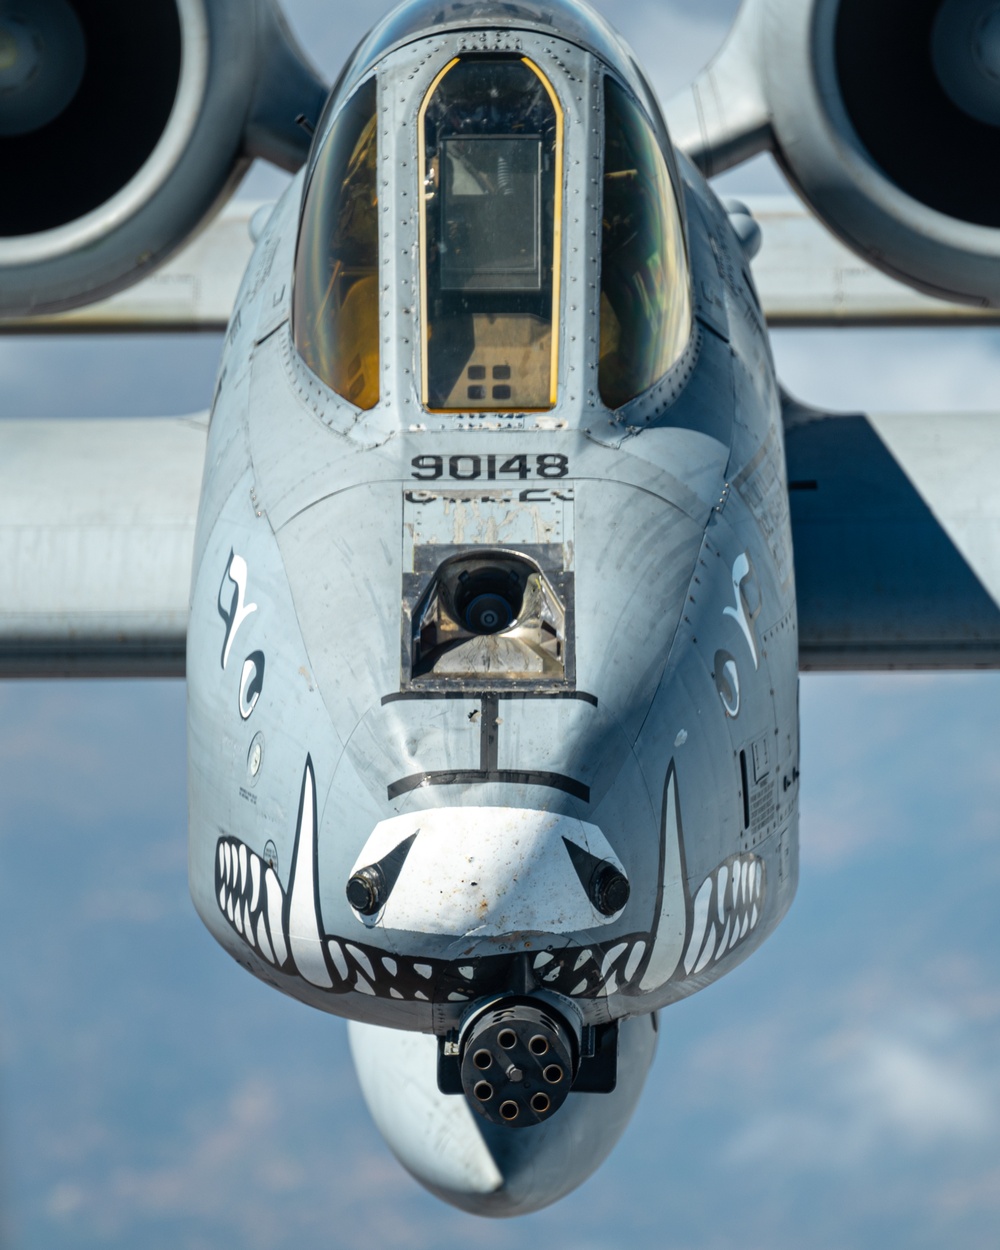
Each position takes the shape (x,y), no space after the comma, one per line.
(488,872)
(492,1169)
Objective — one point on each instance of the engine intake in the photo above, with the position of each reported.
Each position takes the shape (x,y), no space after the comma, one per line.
(123,126)
(98,85)
(923,94)
(886,119)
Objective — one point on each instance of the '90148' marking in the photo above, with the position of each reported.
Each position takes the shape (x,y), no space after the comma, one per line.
(493,468)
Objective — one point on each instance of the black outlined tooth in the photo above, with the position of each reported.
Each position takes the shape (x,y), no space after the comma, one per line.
(591,972)
(726,910)
(251,898)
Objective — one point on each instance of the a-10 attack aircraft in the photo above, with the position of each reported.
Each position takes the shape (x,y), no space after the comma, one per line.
(495,628)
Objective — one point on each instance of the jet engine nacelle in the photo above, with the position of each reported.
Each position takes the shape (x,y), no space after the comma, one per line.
(884,115)
(123,126)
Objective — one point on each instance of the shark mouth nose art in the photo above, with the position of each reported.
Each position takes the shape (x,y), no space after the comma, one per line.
(488,872)
(471,874)
(251,898)
(727,909)
(282,924)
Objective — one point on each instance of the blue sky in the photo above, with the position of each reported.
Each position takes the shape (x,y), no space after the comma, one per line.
(839,1090)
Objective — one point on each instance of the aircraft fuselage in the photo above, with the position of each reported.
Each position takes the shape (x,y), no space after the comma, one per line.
(397,815)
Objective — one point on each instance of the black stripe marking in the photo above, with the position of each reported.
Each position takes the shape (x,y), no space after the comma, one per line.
(489,734)
(403,695)
(482,777)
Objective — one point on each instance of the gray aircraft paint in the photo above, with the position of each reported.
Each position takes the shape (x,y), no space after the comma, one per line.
(670,751)
(673,520)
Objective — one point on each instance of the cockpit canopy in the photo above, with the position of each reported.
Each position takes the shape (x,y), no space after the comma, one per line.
(335,302)
(492,170)
(646,311)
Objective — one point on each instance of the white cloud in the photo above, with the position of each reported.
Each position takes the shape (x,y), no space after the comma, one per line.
(197,1180)
(873,749)
(904,1085)
(980,1192)
(922,1098)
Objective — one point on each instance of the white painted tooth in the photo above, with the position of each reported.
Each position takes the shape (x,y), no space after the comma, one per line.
(243,868)
(272,890)
(583,958)
(228,874)
(237,918)
(552,974)
(612,985)
(423,970)
(222,859)
(543,958)
(421,995)
(634,960)
(222,897)
(745,925)
(669,925)
(254,882)
(229,906)
(389,965)
(304,931)
(362,985)
(262,942)
(758,875)
(578,989)
(394,993)
(466,972)
(246,921)
(337,955)
(458,997)
(362,959)
(753,917)
(708,952)
(724,943)
(744,881)
(722,886)
(698,924)
(610,958)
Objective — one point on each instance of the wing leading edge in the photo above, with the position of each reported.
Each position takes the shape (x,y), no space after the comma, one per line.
(804,276)
(97,522)
(896,528)
(895,521)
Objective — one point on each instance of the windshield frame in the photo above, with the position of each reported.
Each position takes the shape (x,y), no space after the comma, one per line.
(557,238)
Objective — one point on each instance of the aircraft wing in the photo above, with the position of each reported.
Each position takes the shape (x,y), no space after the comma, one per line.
(896,527)
(805,277)
(894,519)
(194,291)
(97,523)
